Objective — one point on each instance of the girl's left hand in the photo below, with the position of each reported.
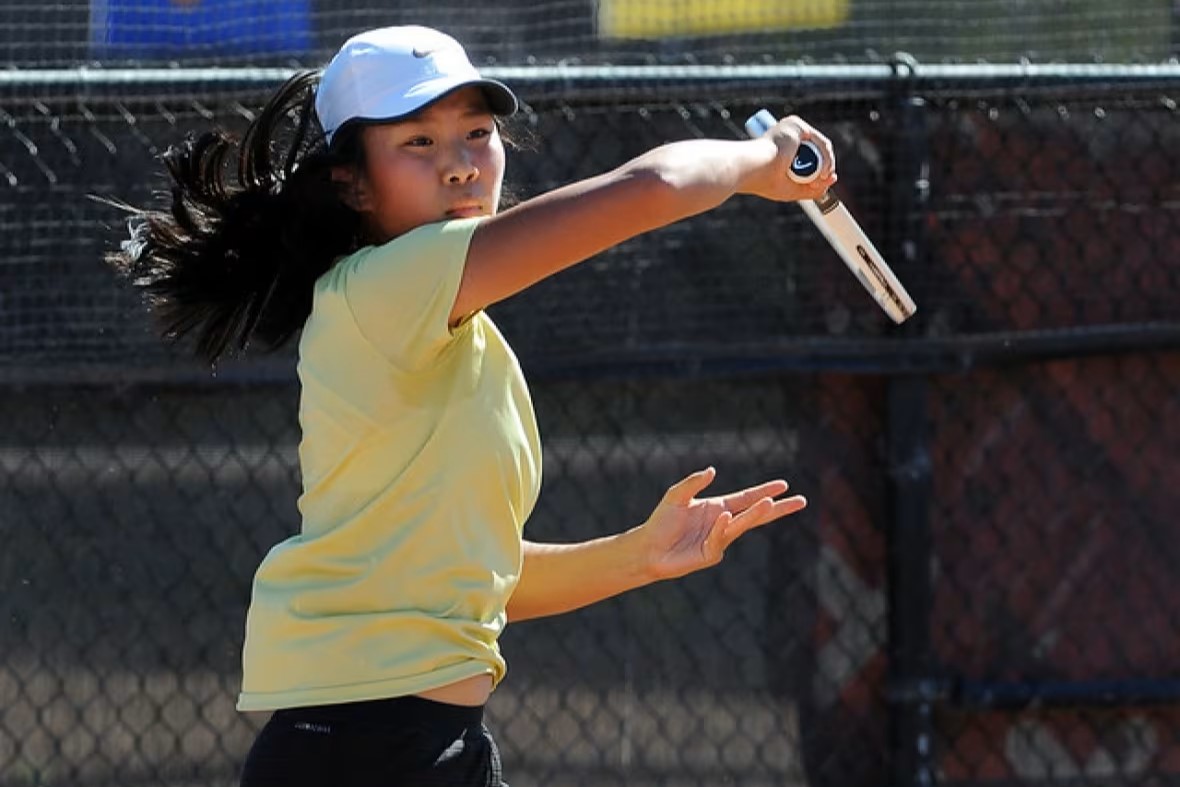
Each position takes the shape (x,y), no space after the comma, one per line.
(685,534)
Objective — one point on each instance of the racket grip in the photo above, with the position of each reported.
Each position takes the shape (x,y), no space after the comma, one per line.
(808,160)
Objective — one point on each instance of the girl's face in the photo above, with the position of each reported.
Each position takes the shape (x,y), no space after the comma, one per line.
(444,162)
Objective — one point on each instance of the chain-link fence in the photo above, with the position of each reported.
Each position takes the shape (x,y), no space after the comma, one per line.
(981,591)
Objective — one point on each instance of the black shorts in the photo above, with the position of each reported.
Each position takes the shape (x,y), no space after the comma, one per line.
(382,743)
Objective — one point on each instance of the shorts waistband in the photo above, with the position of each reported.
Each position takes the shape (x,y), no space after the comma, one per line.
(392,709)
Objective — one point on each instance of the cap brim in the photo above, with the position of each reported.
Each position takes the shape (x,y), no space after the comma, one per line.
(501,100)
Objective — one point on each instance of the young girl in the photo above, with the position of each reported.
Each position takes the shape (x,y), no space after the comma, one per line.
(364,218)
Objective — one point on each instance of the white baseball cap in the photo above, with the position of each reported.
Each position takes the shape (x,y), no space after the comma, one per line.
(391,72)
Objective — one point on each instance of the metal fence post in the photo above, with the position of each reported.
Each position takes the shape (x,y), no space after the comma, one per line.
(909,686)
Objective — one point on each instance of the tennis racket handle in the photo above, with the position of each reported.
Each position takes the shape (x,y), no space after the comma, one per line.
(842,232)
(808,159)
(861,257)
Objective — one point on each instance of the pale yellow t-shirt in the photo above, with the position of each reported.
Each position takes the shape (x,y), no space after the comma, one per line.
(421,462)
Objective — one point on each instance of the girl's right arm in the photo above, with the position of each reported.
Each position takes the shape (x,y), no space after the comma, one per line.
(537,238)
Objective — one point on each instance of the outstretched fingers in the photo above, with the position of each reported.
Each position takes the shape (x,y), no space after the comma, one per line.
(763,511)
(740,501)
(682,492)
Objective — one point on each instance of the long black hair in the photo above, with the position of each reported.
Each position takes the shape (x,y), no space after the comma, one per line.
(252,223)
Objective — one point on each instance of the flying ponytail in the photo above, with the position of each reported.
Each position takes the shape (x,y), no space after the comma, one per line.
(252,224)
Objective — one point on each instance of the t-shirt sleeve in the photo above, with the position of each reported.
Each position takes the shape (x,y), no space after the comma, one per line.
(401,293)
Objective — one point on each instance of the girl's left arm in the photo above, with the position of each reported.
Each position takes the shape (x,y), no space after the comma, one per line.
(683,534)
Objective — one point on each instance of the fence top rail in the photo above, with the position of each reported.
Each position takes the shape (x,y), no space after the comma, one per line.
(876,356)
(946,76)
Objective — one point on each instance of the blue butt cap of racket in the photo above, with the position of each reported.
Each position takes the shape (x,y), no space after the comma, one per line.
(808,160)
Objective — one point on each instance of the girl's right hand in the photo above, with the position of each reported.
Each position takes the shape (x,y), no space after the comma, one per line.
(773,180)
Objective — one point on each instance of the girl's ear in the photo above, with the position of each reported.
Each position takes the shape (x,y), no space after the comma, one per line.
(352,187)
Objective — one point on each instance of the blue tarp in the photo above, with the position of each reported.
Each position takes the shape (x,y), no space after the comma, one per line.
(187,28)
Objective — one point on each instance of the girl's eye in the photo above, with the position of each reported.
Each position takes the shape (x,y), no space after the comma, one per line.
(419,142)
(480,133)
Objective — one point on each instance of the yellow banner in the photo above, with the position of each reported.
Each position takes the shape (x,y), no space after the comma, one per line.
(668,18)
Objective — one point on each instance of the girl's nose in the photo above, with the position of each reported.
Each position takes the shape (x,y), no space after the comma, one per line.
(460,167)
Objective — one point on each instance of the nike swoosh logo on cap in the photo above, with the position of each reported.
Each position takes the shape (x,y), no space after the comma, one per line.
(416,52)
